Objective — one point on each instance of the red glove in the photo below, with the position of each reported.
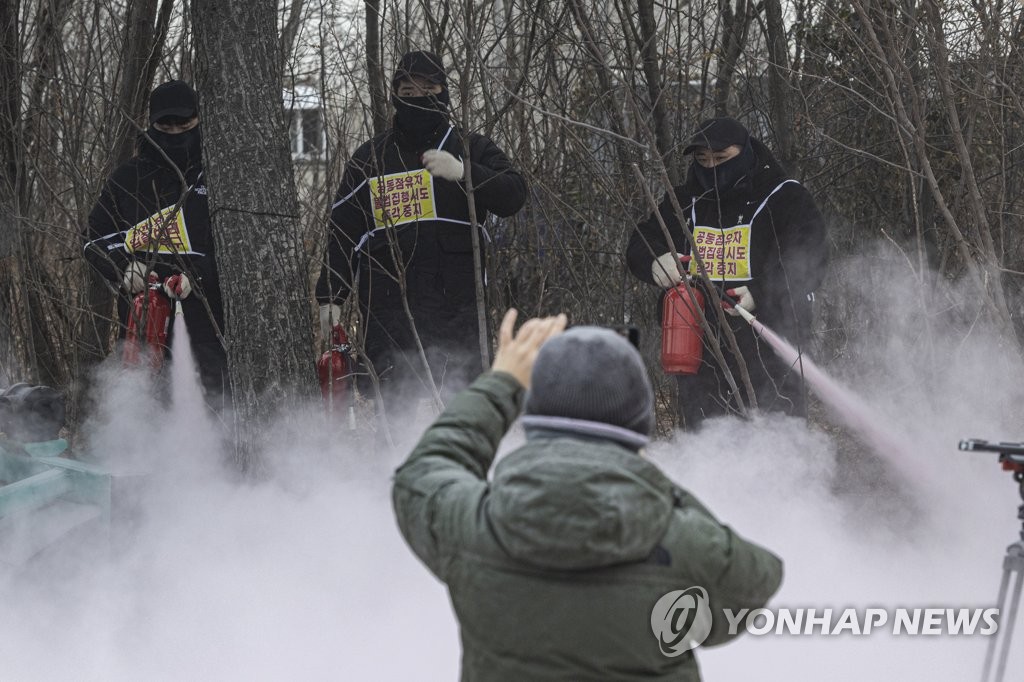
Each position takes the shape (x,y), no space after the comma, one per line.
(177,287)
(745,300)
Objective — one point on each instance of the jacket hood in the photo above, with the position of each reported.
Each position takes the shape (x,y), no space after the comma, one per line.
(567,504)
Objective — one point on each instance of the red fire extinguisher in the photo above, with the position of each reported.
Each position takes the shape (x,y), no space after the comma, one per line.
(681,334)
(148,323)
(335,369)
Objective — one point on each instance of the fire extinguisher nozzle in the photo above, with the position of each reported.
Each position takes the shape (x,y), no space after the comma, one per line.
(745,314)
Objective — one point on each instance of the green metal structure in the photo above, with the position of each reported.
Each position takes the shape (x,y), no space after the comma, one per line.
(45,498)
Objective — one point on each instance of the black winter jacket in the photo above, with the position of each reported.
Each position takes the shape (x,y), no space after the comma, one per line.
(134,219)
(389,204)
(764,233)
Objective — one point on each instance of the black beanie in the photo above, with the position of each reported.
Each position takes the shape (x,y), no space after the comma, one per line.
(593,374)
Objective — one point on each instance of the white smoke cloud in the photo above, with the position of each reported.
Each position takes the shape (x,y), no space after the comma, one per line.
(859,528)
(303,577)
(306,577)
(904,546)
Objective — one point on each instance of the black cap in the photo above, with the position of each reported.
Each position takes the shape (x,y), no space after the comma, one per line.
(717,134)
(424,64)
(173,98)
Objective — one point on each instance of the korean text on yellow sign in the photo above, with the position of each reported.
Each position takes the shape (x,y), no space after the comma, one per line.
(163,232)
(726,253)
(402,197)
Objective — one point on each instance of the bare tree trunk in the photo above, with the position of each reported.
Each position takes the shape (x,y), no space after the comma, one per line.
(649,51)
(437,28)
(254,216)
(290,31)
(34,280)
(10,103)
(604,78)
(734,36)
(10,157)
(779,88)
(378,97)
(478,264)
(143,45)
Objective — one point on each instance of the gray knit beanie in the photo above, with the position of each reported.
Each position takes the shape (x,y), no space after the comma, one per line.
(593,374)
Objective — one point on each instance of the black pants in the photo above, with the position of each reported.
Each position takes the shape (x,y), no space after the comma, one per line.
(777,386)
(452,357)
(210,356)
(443,307)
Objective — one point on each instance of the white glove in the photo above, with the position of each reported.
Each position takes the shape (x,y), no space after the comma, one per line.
(746,300)
(134,279)
(665,270)
(177,287)
(443,165)
(330,315)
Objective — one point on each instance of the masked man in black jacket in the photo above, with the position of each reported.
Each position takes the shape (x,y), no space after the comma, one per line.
(152,216)
(762,241)
(400,231)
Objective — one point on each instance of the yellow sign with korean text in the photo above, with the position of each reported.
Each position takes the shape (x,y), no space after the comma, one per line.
(726,253)
(163,232)
(402,197)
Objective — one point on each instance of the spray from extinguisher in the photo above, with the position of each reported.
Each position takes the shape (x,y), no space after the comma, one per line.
(682,335)
(148,324)
(335,371)
(873,428)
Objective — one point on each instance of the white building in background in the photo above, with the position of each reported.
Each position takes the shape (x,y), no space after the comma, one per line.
(307,133)
(304,111)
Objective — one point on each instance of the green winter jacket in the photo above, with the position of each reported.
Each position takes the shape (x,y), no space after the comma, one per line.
(555,565)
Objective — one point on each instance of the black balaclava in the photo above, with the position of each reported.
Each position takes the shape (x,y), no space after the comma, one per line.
(183,149)
(176,101)
(718,134)
(725,175)
(419,118)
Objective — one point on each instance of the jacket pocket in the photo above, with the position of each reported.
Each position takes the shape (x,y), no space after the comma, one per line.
(454,238)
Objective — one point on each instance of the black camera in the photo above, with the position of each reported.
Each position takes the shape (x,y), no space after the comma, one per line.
(1010,454)
(631,333)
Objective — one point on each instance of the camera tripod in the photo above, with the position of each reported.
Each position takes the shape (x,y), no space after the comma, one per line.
(1011,456)
(1013,567)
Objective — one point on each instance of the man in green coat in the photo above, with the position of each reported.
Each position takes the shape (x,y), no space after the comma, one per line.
(580,559)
